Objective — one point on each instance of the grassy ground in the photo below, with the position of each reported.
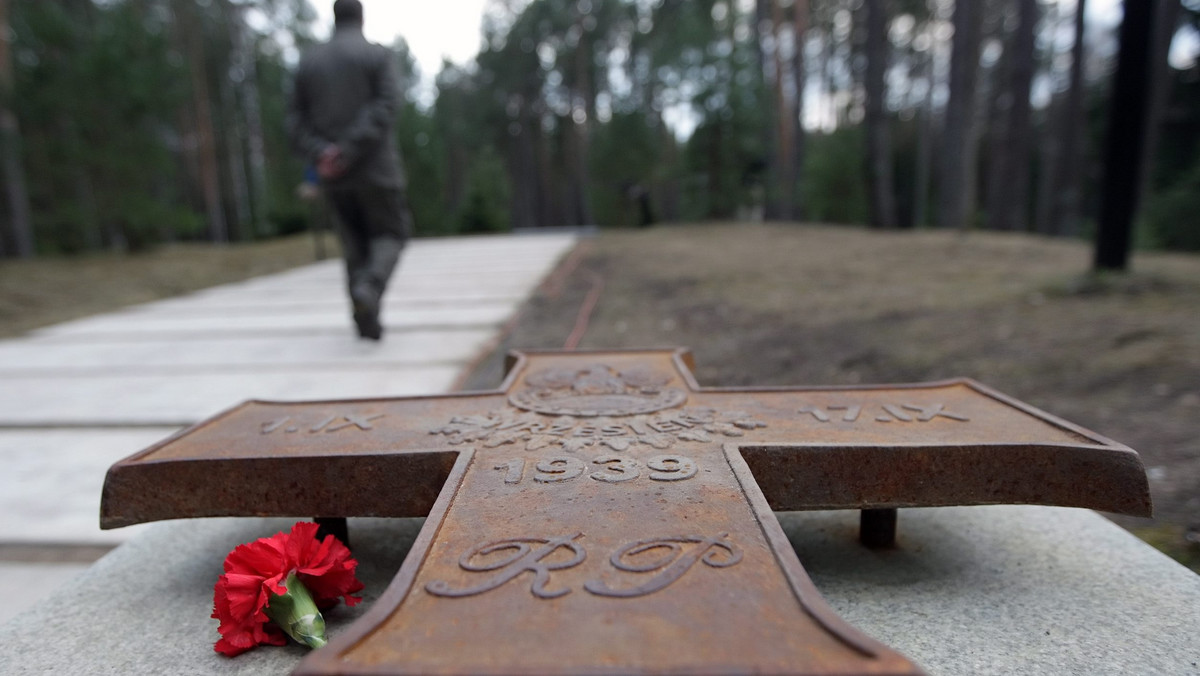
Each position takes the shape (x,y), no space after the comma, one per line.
(50,290)
(787,305)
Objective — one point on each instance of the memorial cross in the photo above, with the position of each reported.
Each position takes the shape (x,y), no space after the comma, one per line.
(603,513)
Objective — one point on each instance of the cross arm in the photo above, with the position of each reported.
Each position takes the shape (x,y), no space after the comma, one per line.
(369,457)
(954,442)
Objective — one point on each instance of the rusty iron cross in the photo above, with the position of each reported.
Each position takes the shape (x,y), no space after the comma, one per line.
(603,513)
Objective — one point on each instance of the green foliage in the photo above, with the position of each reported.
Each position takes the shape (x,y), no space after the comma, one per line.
(104,94)
(561,120)
(625,161)
(421,147)
(1171,215)
(96,93)
(144,221)
(836,187)
(291,218)
(286,214)
(486,206)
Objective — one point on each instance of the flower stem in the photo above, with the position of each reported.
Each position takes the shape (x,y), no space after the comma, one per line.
(296,613)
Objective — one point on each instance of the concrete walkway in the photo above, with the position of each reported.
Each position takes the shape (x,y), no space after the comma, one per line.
(78,396)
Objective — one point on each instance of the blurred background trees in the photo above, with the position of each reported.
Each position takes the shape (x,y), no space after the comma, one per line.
(126,123)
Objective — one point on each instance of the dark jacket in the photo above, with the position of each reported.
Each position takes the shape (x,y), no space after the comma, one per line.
(346,93)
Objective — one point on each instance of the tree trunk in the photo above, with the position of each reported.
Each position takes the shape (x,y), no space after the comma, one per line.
(1126,136)
(924,148)
(763,11)
(1166,22)
(582,130)
(236,157)
(716,141)
(784,155)
(956,199)
(879,145)
(1066,189)
(19,219)
(456,163)
(520,179)
(799,76)
(252,112)
(533,141)
(210,177)
(828,88)
(1049,144)
(1008,196)
(669,200)
(545,193)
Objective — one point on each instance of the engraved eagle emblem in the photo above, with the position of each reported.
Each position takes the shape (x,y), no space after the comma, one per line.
(597,390)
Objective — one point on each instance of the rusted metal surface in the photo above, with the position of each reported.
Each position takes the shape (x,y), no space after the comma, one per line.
(603,513)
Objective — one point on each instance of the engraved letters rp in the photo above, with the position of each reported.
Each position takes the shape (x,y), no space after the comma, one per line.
(669,558)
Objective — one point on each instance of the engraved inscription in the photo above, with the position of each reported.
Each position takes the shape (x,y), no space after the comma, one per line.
(616,470)
(597,390)
(658,431)
(513,471)
(670,557)
(556,470)
(517,555)
(613,469)
(671,468)
(887,413)
(329,423)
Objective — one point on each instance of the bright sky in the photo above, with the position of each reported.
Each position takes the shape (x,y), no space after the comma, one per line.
(433,28)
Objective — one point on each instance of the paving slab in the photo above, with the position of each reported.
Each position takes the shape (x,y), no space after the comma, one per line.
(430,285)
(28,357)
(233,305)
(302,320)
(158,399)
(43,501)
(970,590)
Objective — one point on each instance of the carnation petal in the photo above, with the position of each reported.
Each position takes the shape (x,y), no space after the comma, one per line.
(257,570)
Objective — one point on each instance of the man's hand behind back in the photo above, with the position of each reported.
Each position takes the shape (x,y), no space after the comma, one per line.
(331,164)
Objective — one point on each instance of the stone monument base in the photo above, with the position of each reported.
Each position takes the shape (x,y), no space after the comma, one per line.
(967,590)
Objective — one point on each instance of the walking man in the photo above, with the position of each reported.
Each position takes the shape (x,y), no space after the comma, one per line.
(341,118)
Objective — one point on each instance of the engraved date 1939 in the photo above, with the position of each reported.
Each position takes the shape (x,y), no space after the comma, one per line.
(610,469)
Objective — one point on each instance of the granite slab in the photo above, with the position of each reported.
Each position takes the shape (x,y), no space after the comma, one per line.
(969,590)
(25,583)
(30,357)
(166,399)
(153,325)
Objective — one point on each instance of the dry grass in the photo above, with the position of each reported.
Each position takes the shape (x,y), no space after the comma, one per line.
(46,291)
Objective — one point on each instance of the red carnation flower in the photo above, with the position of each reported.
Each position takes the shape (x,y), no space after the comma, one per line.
(275,585)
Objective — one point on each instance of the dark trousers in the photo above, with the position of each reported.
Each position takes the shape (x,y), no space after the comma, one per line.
(374,224)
